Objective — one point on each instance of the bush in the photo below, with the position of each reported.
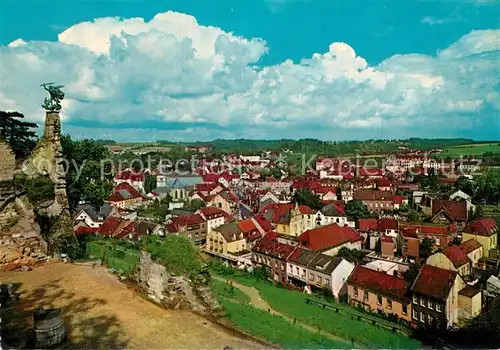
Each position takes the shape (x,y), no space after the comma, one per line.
(177,253)
(39,189)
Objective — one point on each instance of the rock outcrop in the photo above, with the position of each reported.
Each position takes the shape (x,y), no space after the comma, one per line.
(7,162)
(47,159)
(174,291)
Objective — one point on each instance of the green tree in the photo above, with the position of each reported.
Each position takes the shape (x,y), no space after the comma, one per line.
(149,183)
(89,177)
(195,204)
(425,248)
(357,210)
(353,255)
(412,272)
(20,135)
(413,216)
(304,196)
(39,189)
(465,185)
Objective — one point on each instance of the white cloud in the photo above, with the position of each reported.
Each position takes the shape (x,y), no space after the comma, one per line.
(143,76)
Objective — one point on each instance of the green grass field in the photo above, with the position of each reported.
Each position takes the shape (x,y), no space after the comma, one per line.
(224,290)
(276,329)
(475,149)
(117,257)
(344,325)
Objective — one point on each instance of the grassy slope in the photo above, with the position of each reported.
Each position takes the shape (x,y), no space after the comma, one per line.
(223,290)
(293,305)
(275,329)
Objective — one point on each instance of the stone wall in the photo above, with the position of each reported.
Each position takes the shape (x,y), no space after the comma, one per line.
(47,158)
(173,291)
(7,162)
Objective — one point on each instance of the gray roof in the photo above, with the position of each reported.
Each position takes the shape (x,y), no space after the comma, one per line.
(229,230)
(331,210)
(325,263)
(183,181)
(89,209)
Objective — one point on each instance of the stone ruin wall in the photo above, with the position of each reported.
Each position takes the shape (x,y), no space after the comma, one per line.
(7,162)
(171,291)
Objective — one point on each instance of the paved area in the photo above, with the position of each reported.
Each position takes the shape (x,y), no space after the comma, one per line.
(102,312)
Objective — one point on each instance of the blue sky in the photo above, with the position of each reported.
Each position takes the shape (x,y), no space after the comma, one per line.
(266,68)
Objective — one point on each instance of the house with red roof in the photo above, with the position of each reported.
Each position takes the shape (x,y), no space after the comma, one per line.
(329,239)
(379,292)
(457,210)
(473,249)
(273,254)
(289,219)
(378,201)
(440,234)
(435,297)
(408,242)
(214,217)
(451,258)
(125,196)
(133,178)
(192,226)
(333,213)
(485,231)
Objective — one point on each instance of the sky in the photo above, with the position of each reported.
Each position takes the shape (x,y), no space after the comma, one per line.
(137,70)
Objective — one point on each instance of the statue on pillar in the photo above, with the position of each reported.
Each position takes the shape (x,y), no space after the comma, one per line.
(53,103)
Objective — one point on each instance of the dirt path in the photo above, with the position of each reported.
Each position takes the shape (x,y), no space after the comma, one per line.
(102,312)
(259,303)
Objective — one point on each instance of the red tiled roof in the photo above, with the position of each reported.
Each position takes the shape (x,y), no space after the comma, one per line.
(456,209)
(269,246)
(124,191)
(328,236)
(263,223)
(434,282)
(470,245)
(398,199)
(456,255)
(247,226)
(378,282)
(384,182)
(109,226)
(387,224)
(129,175)
(432,229)
(409,233)
(482,227)
(280,213)
(213,212)
(373,195)
(366,225)
(210,177)
(82,230)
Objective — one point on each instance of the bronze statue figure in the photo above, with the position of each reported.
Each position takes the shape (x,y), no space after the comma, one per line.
(53,103)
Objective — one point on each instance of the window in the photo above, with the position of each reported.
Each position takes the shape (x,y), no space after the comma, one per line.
(438,307)
(405,309)
(327,281)
(319,279)
(430,319)
(356,292)
(379,300)
(430,305)
(389,303)
(422,317)
(311,277)
(282,267)
(415,315)
(297,270)
(366,295)
(415,299)
(422,302)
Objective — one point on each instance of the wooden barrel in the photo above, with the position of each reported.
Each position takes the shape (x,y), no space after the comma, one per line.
(49,327)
